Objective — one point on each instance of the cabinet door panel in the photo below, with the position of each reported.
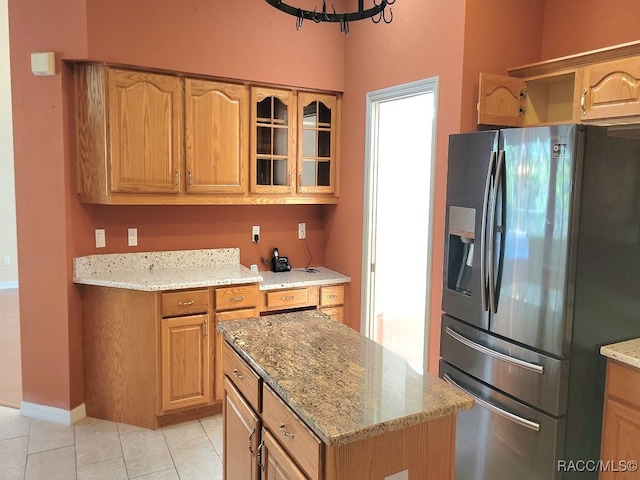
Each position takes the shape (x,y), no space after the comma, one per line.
(273,115)
(611,89)
(216,137)
(186,365)
(145,124)
(620,439)
(317,119)
(501,100)
(277,465)
(241,432)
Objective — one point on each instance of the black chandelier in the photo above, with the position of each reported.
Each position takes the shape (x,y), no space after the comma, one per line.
(377,13)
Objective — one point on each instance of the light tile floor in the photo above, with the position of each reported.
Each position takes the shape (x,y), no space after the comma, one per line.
(95,449)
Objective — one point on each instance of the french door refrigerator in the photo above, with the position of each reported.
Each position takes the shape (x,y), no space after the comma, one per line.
(542,267)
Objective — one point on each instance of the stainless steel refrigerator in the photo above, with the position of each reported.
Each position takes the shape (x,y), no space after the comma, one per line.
(542,267)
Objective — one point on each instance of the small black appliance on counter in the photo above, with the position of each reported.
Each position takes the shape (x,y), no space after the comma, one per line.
(278,263)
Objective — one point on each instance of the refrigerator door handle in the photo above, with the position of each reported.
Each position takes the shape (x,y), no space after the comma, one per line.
(483,235)
(491,407)
(492,353)
(492,234)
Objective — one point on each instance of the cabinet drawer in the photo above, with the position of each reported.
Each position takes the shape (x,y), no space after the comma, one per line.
(332,295)
(236,297)
(623,382)
(242,376)
(282,299)
(294,436)
(185,302)
(337,313)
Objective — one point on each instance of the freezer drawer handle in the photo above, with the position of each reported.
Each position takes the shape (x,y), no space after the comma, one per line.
(500,356)
(489,406)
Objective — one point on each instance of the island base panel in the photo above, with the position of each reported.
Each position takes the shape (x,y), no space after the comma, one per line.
(426,450)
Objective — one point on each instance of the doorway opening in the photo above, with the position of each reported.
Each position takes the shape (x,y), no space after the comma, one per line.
(398,217)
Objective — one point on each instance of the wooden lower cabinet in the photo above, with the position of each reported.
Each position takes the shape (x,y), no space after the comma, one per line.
(241,436)
(621,423)
(154,358)
(185,365)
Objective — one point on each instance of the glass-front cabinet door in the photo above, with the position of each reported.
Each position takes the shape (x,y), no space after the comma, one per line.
(272,140)
(317,120)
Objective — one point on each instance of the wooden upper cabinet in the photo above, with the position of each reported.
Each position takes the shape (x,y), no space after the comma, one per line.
(501,100)
(317,132)
(216,137)
(611,89)
(145,126)
(273,120)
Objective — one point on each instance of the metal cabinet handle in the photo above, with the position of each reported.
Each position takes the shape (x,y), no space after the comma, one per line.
(237,374)
(583,102)
(284,432)
(489,406)
(177,178)
(190,175)
(184,304)
(237,299)
(206,326)
(286,299)
(492,353)
(253,430)
(332,296)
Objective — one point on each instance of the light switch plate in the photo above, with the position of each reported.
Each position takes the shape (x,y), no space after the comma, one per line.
(101,240)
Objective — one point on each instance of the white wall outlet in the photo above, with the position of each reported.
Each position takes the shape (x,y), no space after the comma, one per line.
(6,260)
(43,63)
(403,475)
(255,233)
(132,237)
(101,240)
(302,231)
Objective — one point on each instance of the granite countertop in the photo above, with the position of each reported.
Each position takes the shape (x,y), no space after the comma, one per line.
(344,386)
(626,352)
(182,269)
(157,271)
(300,277)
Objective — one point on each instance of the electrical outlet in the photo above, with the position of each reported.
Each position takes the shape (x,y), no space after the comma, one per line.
(403,475)
(302,231)
(6,261)
(132,237)
(255,233)
(101,240)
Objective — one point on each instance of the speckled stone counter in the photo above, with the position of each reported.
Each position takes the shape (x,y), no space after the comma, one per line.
(344,386)
(627,352)
(299,277)
(157,271)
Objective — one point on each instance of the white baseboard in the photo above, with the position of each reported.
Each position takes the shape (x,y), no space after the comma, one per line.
(8,285)
(53,414)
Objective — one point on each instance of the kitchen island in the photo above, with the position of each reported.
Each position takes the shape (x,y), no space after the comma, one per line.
(330,404)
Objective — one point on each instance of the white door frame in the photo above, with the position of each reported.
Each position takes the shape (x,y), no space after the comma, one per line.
(373,100)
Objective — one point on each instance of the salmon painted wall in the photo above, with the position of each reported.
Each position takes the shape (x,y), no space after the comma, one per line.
(50,328)
(244,40)
(574,26)
(411,48)
(494,41)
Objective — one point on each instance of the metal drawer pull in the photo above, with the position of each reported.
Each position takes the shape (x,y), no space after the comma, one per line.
(237,374)
(500,356)
(184,304)
(284,432)
(290,297)
(332,296)
(503,413)
(237,299)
